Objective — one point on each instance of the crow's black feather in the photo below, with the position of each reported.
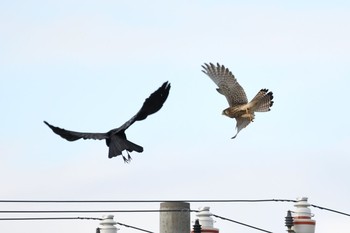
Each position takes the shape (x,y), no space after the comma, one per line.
(116,138)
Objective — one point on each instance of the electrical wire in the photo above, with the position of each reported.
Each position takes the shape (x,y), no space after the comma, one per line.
(230,220)
(49,218)
(331,210)
(141,211)
(144,201)
(72,218)
(158,201)
(104,211)
(90,211)
(136,228)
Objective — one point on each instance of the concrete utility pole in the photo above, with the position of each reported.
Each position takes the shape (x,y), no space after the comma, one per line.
(175,217)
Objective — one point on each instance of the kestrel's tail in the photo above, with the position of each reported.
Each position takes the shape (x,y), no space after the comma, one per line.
(262,101)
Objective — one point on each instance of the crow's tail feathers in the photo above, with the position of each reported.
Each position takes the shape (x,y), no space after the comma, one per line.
(117,145)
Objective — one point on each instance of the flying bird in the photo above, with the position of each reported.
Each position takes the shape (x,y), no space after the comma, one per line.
(116,138)
(239,107)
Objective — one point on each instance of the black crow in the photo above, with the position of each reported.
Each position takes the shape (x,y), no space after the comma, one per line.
(116,138)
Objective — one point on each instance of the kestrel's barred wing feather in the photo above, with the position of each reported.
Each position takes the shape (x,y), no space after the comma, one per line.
(227,83)
(262,101)
(73,135)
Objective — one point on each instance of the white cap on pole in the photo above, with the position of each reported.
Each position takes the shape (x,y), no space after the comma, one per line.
(206,220)
(302,217)
(107,224)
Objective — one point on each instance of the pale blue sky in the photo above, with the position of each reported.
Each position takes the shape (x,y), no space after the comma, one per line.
(89,65)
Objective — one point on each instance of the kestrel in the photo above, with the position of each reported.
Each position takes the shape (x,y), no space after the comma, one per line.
(116,138)
(240,109)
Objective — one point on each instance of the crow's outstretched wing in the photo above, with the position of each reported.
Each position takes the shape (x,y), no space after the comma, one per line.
(116,139)
(151,105)
(73,136)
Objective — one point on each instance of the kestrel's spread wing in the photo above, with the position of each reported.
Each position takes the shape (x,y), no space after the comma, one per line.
(227,83)
(239,108)
(116,139)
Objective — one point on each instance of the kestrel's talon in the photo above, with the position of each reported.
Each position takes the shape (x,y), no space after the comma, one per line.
(249,116)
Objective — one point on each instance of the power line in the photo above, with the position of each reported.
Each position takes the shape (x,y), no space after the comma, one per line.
(159,201)
(145,201)
(331,210)
(230,220)
(90,211)
(104,211)
(49,218)
(143,211)
(136,228)
(71,218)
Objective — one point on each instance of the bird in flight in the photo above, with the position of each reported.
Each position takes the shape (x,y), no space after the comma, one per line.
(116,138)
(239,107)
